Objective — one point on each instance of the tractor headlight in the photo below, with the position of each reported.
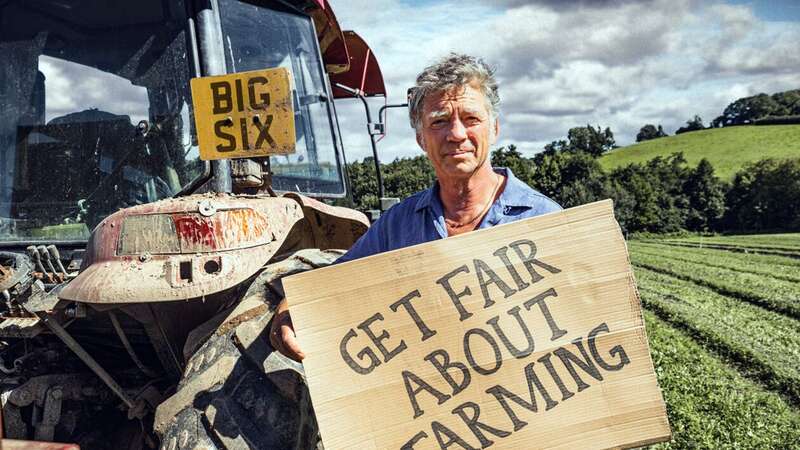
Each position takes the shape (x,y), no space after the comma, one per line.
(193,232)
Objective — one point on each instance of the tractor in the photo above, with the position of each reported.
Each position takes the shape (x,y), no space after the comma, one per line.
(138,277)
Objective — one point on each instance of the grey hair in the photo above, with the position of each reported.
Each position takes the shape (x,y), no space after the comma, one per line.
(453,71)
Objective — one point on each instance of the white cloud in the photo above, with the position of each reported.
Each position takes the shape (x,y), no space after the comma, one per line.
(72,87)
(611,63)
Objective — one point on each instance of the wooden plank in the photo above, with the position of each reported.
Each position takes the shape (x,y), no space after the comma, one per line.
(467,333)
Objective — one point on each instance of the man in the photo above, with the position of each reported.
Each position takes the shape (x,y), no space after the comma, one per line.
(453,109)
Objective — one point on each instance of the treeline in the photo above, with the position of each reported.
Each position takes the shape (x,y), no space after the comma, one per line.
(665,194)
(661,195)
(782,108)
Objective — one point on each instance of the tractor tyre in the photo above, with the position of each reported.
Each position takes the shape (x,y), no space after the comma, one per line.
(237,392)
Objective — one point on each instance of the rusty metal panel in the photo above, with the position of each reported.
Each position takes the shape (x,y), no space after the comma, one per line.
(364,74)
(225,230)
(332,227)
(186,233)
(211,261)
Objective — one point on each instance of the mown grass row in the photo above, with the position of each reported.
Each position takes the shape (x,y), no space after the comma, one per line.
(779,267)
(788,240)
(776,295)
(710,405)
(765,250)
(759,258)
(764,345)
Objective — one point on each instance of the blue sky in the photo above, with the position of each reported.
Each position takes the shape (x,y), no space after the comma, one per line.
(565,63)
(773,10)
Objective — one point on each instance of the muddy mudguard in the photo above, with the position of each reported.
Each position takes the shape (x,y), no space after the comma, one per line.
(237,392)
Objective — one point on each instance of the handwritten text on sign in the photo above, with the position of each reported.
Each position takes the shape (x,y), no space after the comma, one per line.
(469,343)
(244,115)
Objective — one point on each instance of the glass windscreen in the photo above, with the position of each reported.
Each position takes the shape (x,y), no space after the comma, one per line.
(259,37)
(95,112)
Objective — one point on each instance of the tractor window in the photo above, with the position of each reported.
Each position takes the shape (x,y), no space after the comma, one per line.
(96,113)
(257,37)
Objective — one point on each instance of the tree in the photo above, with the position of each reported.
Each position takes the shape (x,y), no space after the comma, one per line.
(363,184)
(649,132)
(556,146)
(593,141)
(765,196)
(590,140)
(569,178)
(749,109)
(789,102)
(511,157)
(654,193)
(404,177)
(692,125)
(706,194)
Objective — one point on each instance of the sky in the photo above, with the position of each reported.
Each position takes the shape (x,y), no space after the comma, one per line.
(565,63)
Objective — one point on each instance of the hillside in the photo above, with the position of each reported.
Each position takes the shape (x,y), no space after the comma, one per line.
(728,149)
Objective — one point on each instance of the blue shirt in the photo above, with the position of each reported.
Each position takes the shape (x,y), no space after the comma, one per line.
(420,218)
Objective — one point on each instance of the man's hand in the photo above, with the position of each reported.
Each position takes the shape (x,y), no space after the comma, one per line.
(281,334)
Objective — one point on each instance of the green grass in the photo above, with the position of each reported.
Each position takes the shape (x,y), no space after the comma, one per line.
(777,295)
(783,241)
(728,149)
(765,344)
(710,405)
(740,248)
(724,333)
(779,267)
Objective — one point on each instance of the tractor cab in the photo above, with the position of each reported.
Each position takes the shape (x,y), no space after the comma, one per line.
(97,112)
(121,243)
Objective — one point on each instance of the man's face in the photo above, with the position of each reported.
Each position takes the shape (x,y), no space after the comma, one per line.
(457,131)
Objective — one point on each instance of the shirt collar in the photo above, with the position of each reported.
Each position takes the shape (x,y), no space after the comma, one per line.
(426,199)
(514,193)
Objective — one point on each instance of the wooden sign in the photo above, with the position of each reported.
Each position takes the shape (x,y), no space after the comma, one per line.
(244,115)
(526,335)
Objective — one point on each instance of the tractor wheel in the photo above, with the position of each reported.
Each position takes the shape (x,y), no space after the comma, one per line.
(237,392)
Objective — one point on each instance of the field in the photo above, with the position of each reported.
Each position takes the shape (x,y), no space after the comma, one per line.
(728,149)
(723,319)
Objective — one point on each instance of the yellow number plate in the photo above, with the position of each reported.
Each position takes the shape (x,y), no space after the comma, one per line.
(244,115)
